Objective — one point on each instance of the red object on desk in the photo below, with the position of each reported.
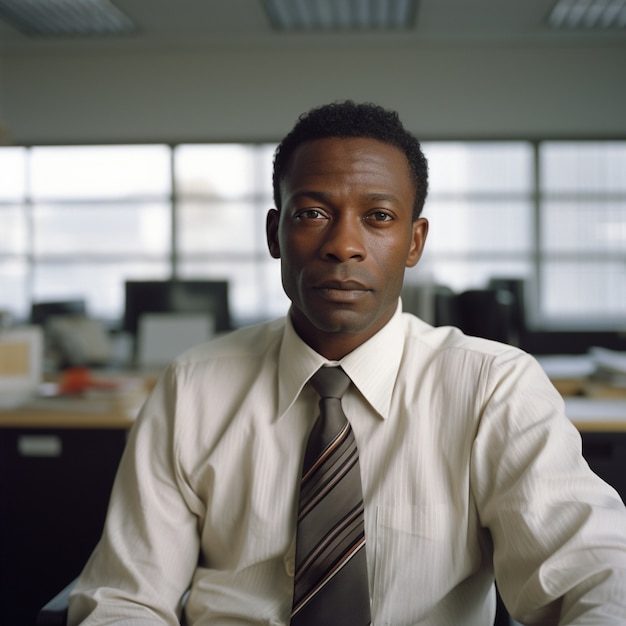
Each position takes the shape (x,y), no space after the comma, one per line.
(78,380)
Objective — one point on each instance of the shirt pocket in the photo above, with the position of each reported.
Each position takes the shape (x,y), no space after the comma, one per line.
(413,561)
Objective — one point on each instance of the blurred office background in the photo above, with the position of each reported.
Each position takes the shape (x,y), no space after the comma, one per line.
(147,154)
(135,175)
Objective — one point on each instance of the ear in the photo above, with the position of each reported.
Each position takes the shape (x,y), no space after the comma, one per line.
(271,232)
(418,239)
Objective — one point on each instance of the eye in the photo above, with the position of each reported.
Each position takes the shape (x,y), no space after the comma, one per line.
(380,216)
(310,214)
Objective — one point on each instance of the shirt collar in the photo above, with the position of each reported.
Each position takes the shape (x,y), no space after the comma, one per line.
(372,367)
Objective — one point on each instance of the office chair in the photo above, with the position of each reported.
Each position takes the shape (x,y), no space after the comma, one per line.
(54,613)
(483,314)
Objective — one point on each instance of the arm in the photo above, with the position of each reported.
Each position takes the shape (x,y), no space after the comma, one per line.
(149,549)
(559,532)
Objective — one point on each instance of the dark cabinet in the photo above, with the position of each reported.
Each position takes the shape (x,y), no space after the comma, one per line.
(54,491)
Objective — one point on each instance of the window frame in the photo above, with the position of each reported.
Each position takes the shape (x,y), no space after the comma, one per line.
(179,262)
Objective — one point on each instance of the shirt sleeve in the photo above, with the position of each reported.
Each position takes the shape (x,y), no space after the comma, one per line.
(145,559)
(558,530)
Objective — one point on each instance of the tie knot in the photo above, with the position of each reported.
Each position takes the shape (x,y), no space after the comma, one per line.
(330,382)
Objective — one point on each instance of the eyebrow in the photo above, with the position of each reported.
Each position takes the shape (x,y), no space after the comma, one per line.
(382,196)
(324,196)
(315,195)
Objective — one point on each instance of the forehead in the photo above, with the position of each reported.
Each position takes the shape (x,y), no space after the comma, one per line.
(362,159)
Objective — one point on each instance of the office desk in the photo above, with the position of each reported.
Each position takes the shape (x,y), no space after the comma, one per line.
(31,417)
(597,414)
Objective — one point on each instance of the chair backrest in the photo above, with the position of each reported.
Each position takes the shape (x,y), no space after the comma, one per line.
(54,613)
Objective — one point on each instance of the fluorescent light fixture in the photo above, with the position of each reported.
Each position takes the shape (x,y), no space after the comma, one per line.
(588,14)
(341,15)
(65,17)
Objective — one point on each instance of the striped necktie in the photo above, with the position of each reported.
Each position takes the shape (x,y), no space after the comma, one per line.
(331,585)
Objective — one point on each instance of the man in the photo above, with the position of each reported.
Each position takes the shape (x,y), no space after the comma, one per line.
(467,463)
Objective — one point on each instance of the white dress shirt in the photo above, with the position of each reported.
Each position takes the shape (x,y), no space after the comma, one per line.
(468,464)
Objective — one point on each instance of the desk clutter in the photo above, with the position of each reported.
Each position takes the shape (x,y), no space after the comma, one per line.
(21,355)
(65,360)
(25,386)
(601,373)
(80,390)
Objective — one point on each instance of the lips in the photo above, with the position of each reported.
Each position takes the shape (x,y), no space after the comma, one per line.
(342,285)
(341,291)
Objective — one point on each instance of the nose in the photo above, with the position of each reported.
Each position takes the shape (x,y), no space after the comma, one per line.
(344,240)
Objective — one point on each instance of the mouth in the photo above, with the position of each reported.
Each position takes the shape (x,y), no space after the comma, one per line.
(343,291)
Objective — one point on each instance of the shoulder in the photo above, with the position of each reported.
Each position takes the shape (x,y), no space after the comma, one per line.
(229,362)
(441,339)
(457,356)
(244,344)
(216,376)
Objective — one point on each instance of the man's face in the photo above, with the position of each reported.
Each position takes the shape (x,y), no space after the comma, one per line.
(345,235)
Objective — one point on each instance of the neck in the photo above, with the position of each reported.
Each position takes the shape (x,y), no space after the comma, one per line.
(336,344)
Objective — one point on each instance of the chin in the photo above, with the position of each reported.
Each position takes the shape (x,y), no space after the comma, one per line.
(345,322)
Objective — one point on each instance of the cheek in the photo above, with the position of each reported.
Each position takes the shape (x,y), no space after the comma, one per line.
(290,255)
(391,256)
(297,251)
(290,269)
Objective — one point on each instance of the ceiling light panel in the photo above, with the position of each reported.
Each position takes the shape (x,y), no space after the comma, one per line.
(65,17)
(588,14)
(342,15)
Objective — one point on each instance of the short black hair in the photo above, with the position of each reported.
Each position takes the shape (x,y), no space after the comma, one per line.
(349,119)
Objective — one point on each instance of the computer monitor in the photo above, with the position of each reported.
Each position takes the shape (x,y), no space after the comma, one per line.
(177,296)
(21,364)
(41,311)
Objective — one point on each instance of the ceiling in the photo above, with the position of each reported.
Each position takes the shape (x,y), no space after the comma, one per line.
(167,24)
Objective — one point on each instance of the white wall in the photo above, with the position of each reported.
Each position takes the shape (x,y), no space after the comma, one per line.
(469,90)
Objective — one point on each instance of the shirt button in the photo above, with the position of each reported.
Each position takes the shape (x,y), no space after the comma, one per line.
(290,566)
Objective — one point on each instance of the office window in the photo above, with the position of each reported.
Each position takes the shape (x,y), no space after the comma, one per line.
(497,226)
(223,192)
(13,231)
(14,287)
(12,174)
(99,173)
(103,229)
(88,216)
(479,167)
(481,213)
(582,268)
(99,282)
(77,221)
(99,214)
